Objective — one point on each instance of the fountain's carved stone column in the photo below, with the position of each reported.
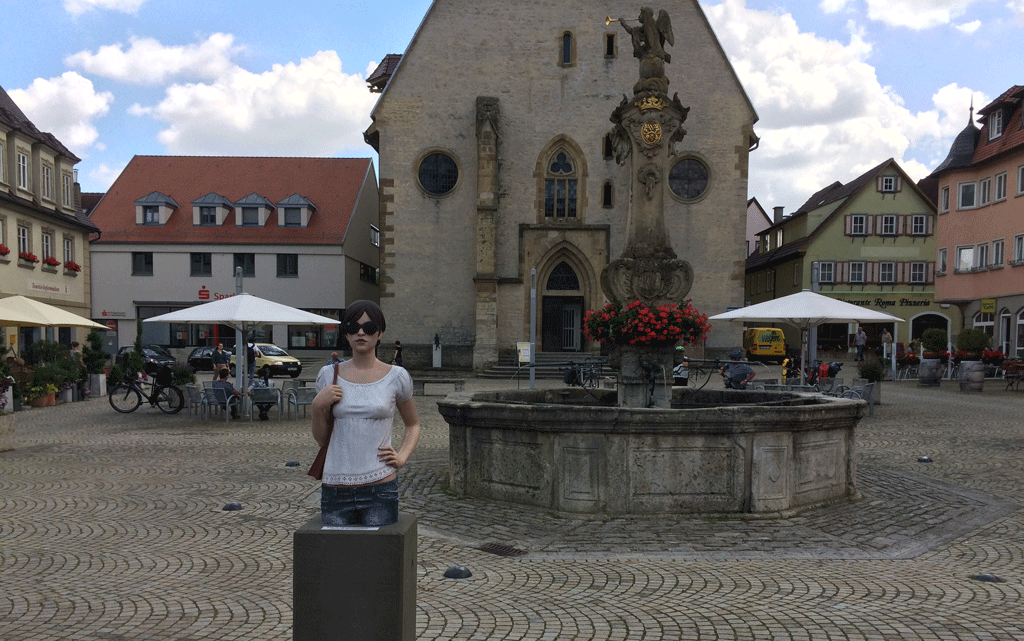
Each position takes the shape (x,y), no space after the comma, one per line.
(646,128)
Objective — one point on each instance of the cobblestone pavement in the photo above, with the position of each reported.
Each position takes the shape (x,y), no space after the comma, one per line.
(111,527)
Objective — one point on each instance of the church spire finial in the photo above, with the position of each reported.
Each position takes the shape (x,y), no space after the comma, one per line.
(970,117)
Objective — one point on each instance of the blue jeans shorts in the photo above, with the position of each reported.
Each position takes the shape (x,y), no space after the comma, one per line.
(369,505)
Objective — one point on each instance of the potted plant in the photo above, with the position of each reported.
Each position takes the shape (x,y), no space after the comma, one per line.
(6,408)
(43,395)
(94,359)
(933,342)
(50,261)
(871,370)
(972,342)
(71,267)
(5,251)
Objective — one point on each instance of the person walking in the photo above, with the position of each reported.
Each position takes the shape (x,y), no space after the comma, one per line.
(219,359)
(886,344)
(860,340)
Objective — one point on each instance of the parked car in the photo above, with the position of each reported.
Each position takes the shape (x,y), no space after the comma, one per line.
(200,359)
(153,353)
(280,361)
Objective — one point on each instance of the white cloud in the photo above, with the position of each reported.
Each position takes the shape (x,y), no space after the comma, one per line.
(77,7)
(103,176)
(824,115)
(832,6)
(917,14)
(969,27)
(65,106)
(147,61)
(312,108)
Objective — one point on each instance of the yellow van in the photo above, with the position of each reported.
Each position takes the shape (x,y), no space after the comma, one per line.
(764,344)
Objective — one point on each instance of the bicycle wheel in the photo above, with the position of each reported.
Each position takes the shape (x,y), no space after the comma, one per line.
(125,399)
(170,400)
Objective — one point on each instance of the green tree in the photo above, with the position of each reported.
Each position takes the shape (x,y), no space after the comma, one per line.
(93,356)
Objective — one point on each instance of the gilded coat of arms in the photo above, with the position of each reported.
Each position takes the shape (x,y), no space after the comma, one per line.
(650,132)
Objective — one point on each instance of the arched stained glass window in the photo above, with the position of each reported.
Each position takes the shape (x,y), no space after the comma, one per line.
(560,187)
(563,278)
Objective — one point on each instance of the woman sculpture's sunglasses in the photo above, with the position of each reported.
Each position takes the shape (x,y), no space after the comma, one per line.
(369,327)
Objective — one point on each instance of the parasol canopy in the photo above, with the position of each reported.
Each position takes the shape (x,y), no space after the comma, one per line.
(805,310)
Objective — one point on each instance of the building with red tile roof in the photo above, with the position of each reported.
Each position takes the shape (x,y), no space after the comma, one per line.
(979,189)
(303,230)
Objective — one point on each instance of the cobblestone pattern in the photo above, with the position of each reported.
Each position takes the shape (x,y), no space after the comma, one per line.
(111,528)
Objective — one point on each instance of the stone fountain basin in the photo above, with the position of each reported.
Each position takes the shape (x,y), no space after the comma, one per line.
(715,451)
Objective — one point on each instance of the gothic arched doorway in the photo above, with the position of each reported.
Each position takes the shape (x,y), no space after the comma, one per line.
(562,310)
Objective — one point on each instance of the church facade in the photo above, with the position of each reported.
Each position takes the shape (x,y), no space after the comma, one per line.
(498,176)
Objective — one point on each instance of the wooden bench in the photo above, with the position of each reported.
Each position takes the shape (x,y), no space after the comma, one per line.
(418,384)
(1013,373)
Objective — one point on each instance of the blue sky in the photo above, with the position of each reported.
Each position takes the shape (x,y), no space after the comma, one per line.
(839,85)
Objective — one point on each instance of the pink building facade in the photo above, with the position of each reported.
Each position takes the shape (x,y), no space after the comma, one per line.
(980,228)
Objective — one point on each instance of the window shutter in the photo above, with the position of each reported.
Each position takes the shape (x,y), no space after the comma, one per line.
(929,225)
(878,183)
(843,269)
(849,225)
(899,183)
(901,225)
(929,275)
(869,225)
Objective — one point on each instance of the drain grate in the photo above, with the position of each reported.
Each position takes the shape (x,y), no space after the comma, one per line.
(501,550)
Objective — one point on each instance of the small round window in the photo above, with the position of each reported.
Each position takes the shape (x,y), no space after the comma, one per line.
(438,174)
(688,179)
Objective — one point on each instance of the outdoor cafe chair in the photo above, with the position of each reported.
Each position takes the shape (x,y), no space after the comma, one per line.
(217,397)
(265,396)
(300,396)
(194,400)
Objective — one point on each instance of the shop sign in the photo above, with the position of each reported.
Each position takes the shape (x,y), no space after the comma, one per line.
(884,303)
(111,314)
(988,306)
(205,294)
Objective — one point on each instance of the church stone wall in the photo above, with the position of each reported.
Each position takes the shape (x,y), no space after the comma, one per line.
(511,51)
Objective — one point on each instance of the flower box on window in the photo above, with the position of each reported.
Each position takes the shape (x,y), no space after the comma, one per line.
(28,258)
(5,253)
(72,268)
(50,261)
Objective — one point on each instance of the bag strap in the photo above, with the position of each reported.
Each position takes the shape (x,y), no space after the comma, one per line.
(335,374)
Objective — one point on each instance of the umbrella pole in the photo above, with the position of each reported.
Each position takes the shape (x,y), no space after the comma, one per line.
(805,335)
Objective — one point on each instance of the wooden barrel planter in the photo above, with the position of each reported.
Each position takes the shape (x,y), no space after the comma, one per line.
(929,372)
(972,376)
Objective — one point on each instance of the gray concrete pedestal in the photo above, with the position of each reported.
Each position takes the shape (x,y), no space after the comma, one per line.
(355,584)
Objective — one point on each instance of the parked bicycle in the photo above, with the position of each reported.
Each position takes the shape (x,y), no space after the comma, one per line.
(159,392)
(585,374)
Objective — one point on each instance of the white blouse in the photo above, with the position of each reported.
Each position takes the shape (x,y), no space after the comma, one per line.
(363,422)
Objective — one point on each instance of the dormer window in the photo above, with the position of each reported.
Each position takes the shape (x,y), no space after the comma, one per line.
(294,211)
(253,211)
(211,210)
(995,124)
(888,184)
(154,209)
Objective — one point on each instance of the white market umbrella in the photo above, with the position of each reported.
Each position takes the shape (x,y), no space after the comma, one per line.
(26,312)
(244,312)
(805,310)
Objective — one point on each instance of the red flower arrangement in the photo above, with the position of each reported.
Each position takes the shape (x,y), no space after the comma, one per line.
(992,357)
(51,261)
(29,256)
(4,249)
(72,266)
(636,324)
(907,359)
